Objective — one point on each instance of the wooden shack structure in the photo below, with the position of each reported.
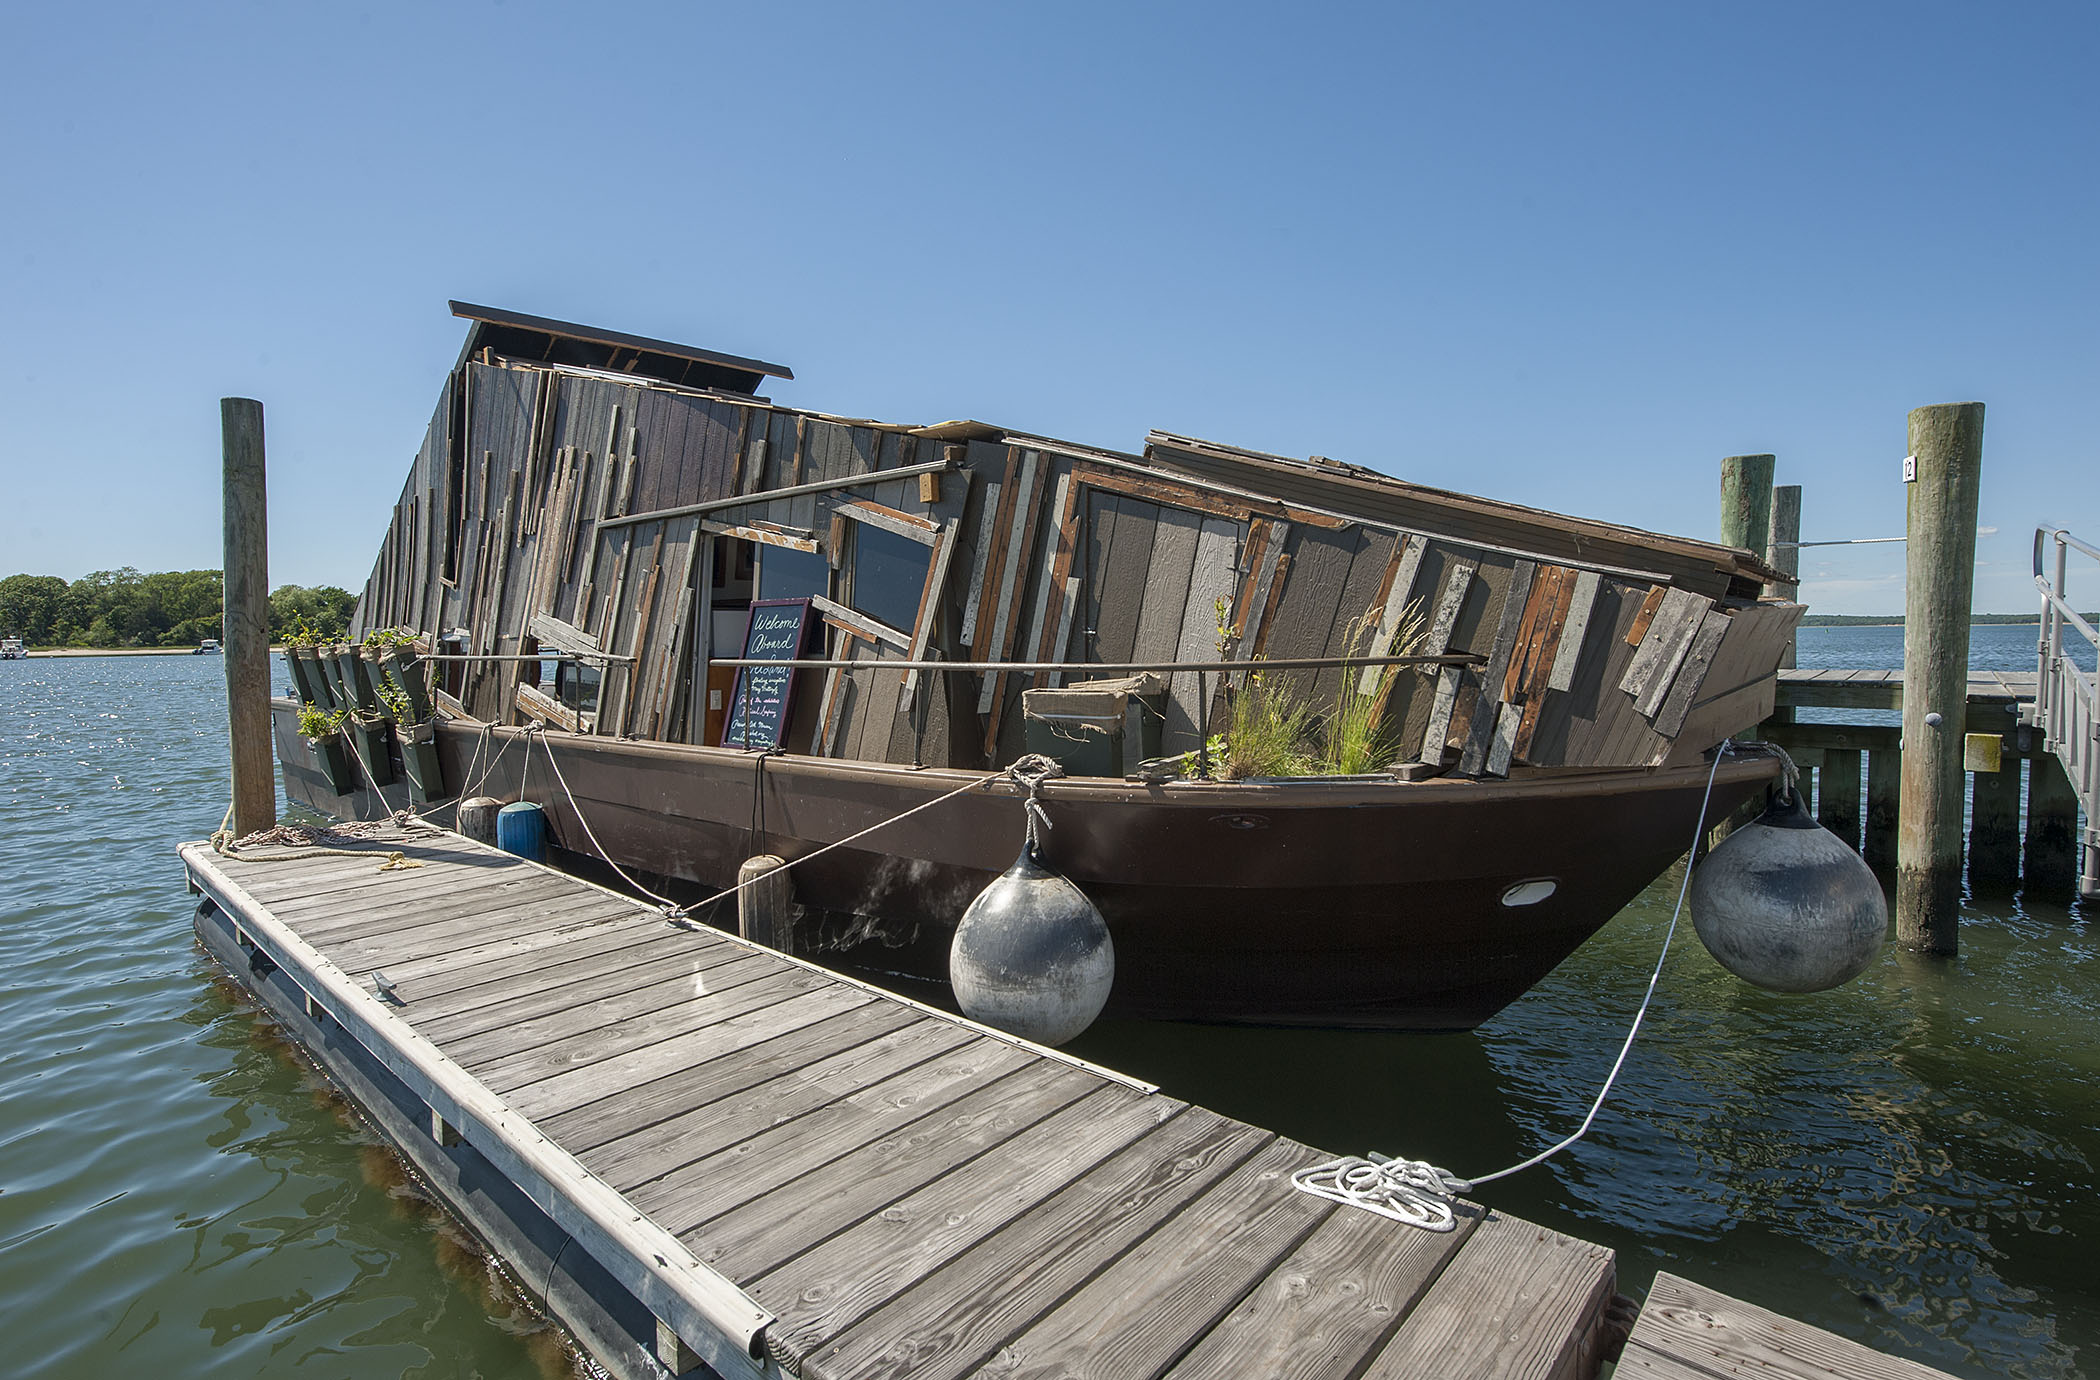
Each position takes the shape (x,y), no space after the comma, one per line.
(623,502)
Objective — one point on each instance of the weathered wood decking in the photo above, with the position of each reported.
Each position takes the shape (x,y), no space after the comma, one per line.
(799,1174)
(1688,1332)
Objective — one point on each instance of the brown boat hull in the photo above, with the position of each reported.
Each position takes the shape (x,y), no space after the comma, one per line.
(1371,905)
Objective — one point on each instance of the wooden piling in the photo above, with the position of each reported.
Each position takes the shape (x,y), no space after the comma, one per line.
(1783,552)
(1994,826)
(1837,797)
(1884,790)
(1746,502)
(2051,845)
(765,908)
(245,639)
(1946,443)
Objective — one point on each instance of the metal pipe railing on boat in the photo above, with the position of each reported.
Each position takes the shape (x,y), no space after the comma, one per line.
(528,656)
(1297,663)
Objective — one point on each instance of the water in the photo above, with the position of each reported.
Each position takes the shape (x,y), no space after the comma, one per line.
(1909,1161)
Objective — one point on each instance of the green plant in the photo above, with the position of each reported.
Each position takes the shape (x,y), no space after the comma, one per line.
(1355,737)
(316,724)
(382,639)
(394,698)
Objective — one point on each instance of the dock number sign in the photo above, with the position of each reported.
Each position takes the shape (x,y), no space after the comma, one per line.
(758,709)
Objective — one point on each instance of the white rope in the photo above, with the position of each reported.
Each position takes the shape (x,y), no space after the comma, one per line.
(1419,1193)
(672,909)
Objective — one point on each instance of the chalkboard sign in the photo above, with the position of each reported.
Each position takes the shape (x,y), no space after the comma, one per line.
(775,629)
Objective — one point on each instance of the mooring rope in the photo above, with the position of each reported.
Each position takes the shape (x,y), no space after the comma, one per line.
(1422,1195)
(1033,769)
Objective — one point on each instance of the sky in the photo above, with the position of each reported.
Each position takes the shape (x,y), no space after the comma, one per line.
(1569,256)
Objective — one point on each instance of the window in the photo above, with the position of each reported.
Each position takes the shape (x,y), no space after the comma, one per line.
(785,573)
(889,575)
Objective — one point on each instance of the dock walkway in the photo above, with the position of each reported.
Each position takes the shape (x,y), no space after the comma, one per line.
(795,1173)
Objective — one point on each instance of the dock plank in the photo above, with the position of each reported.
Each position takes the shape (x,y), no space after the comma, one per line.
(879,1257)
(1707,1335)
(737,1116)
(960,1315)
(1328,1306)
(629,995)
(1513,1304)
(690,1090)
(581,1054)
(767,1231)
(1135,1318)
(684,1192)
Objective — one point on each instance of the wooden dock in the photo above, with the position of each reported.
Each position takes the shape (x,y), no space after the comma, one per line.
(2022,824)
(694,1149)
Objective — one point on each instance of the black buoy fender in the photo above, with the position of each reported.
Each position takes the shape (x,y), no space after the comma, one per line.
(1787,905)
(1032,956)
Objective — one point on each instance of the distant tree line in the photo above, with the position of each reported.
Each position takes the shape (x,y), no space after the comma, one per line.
(168,608)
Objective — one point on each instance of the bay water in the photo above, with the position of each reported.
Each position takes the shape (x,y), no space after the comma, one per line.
(1909,1160)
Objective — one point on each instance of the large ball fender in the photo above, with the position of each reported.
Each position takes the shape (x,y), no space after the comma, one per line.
(1032,956)
(1787,905)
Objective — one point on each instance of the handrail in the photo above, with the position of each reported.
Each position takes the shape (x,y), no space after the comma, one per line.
(1300,663)
(2055,604)
(2067,697)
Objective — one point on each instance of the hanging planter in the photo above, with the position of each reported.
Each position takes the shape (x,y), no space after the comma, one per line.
(328,660)
(306,679)
(408,670)
(333,758)
(371,732)
(419,756)
(356,677)
(323,732)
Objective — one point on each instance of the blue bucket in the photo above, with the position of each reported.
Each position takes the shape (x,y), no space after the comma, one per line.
(521,828)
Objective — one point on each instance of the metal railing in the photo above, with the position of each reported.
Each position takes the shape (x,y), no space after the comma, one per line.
(2067,697)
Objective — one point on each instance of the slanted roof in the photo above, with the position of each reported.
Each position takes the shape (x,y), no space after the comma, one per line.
(1701,566)
(519,336)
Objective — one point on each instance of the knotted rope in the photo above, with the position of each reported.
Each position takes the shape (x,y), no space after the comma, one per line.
(1030,773)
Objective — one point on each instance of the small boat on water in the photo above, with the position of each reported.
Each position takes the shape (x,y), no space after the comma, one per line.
(11,649)
(596,521)
(208,647)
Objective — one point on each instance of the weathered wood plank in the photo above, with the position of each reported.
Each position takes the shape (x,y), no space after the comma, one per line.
(1691,673)
(702,1084)
(952,1321)
(889,1044)
(849,1187)
(683,1192)
(1137,1316)
(877,1259)
(1518,1301)
(1320,1312)
(1716,1335)
(1407,563)
(1662,643)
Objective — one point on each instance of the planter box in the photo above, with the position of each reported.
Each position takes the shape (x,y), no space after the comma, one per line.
(334,760)
(371,738)
(412,674)
(301,686)
(356,678)
(328,662)
(419,755)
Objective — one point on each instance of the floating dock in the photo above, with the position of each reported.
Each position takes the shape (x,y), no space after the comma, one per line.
(694,1150)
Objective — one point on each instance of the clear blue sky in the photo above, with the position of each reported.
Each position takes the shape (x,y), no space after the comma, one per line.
(1566,255)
